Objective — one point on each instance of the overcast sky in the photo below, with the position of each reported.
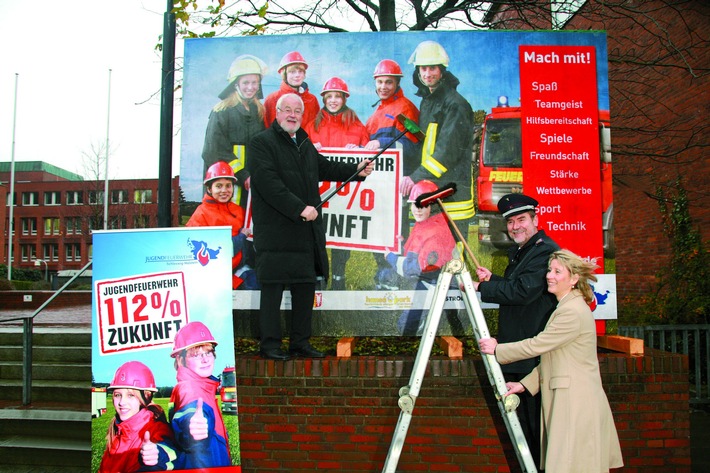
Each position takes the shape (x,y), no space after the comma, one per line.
(62,53)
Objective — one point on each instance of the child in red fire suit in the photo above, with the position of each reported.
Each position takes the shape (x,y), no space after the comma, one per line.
(217,209)
(428,248)
(139,437)
(292,69)
(194,414)
(337,126)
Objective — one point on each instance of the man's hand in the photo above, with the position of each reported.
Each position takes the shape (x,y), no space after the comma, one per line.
(309,214)
(483,274)
(366,167)
(198,422)
(149,451)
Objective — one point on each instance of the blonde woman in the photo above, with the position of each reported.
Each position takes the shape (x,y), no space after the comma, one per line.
(577,427)
(235,119)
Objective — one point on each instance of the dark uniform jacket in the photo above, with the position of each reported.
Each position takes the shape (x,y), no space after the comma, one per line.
(228,131)
(284,180)
(525,304)
(446,118)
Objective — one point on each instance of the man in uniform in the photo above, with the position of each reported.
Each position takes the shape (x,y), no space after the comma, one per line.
(525,304)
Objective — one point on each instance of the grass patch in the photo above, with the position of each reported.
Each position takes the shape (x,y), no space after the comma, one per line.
(100,425)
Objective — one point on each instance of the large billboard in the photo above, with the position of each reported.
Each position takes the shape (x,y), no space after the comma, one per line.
(554,83)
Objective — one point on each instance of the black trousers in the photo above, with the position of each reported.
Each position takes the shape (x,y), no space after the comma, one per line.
(529,416)
(302,295)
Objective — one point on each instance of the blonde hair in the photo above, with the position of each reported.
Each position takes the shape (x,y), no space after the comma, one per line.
(580,267)
(146,398)
(235,99)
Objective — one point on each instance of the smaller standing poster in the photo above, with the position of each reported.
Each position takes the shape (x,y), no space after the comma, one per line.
(163,351)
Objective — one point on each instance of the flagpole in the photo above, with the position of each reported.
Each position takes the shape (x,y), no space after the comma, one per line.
(11,201)
(108,117)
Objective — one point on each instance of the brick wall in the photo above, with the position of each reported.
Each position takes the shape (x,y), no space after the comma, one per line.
(339,415)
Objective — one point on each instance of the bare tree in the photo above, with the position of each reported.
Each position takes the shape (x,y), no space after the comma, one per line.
(248,17)
(94,172)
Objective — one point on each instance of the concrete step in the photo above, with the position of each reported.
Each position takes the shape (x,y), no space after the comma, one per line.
(61,365)
(40,450)
(38,437)
(77,393)
(44,336)
(47,370)
(48,422)
(52,353)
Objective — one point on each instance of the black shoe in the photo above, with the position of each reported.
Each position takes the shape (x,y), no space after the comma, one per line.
(306,352)
(274,354)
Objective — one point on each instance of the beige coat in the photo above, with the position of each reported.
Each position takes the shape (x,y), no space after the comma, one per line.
(578,431)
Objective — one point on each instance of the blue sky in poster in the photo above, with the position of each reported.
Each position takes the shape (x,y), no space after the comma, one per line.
(128,254)
(486,63)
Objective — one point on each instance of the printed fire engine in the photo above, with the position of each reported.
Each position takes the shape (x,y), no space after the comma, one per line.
(498,171)
(228,391)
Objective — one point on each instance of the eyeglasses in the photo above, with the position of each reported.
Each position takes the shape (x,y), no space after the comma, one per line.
(204,354)
(288,111)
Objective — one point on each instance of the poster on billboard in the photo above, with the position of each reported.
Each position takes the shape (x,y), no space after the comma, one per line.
(163,351)
(498,143)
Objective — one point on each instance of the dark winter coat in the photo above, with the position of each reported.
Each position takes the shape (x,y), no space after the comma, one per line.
(284,180)
(446,118)
(228,131)
(525,304)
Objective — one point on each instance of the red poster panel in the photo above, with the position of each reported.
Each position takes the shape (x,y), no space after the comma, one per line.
(561,160)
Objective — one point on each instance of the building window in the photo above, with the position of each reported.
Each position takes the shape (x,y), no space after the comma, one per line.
(119,197)
(118,223)
(90,250)
(29,226)
(51,226)
(14,198)
(53,198)
(144,196)
(50,252)
(30,198)
(73,225)
(29,252)
(141,221)
(96,197)
(75,198)
(72,252)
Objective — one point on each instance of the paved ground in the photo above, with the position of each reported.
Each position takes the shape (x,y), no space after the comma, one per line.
(61,317)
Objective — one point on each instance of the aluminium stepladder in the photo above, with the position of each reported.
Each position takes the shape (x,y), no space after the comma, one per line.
(408,394)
